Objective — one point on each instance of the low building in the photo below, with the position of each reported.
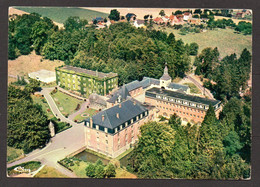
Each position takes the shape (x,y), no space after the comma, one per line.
(98,20)
(85,82)
(113,131)
(43,76)
(187,16)
(139,23)
(188,107)
(130,16)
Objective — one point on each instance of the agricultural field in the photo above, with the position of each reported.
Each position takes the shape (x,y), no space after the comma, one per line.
(226,40)
(60,14)
(50,172)
(65,103)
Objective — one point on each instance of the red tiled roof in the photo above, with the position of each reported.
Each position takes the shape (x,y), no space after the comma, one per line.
(158,19)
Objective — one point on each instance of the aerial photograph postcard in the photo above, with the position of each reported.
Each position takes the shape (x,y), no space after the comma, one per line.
(130,93)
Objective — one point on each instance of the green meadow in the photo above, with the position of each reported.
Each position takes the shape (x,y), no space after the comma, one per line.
(60,14)
(226,40)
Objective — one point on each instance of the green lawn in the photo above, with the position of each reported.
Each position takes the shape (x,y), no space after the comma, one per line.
(80,169)
(225,40)
(50,172)
(32,165)
(13,153)
(88,111)
(65,103)
(60,14)
(193,88)
(45,107)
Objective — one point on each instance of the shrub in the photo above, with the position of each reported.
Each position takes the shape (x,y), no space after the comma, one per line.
(110,170)
(90,170)
(99,171)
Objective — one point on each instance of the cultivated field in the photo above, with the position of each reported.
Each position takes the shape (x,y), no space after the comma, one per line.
(20,12)
(60,14)
(225,40)
(29,63)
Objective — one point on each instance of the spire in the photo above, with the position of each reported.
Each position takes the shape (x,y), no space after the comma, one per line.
(165,76)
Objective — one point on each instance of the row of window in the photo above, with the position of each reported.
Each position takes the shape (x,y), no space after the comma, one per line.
(180,112)
(179,106)
(182,102)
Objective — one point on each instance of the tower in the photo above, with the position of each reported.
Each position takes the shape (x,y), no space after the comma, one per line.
(165,80)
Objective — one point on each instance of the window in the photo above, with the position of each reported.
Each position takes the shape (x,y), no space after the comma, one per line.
(87,124)
(126,124)
(132,120)
(105,130)
(97,127)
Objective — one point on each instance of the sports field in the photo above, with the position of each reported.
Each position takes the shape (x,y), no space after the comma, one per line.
(60,14)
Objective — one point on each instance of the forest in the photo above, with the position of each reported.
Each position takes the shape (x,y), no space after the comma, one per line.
(218,149)
(121,48)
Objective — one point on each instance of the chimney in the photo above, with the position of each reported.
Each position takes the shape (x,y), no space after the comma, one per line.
(119,105)
(117,115)
(91,122)
(103,117)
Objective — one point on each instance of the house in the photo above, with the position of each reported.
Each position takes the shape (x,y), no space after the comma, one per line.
(98,19)
(173,20)
(195,21)
(130,16)
(187,16)
(165,19)
(158,20)
(85,82)
(116,129)
(139,23)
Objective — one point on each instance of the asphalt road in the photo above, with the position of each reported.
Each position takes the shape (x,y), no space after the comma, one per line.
(60,145)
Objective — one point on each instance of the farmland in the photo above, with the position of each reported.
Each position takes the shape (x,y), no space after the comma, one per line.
(60,14)
(225,40)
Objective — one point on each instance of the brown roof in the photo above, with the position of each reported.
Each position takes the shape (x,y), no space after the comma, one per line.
(89,72)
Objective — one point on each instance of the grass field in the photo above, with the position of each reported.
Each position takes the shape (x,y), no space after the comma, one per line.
(13,154)
(50,172)
(88,111)
(65,103)
(60,14)
(225,40)
(45,107)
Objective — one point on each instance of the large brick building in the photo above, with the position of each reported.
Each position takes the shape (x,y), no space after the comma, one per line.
(114,130)
(188,107)
(85,82)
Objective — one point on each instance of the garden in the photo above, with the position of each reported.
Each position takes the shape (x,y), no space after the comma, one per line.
(26,167)
(66,104)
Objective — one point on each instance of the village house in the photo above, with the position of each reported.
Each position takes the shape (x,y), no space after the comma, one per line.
(98,20)
(158,20)
(130,16)
(139,23)
(116,129)
(187,16)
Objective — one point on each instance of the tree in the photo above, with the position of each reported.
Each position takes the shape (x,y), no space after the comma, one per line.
(197,11)
(194,48)
(27,127)
(99,171)
(178,12)
(110,170)
(114,15)
(153,150)
(99,162)
(162,13)
(232,143)
(33,86)
(90,170)
(75,23)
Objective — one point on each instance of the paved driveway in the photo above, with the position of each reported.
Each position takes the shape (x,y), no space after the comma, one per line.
(61,145)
